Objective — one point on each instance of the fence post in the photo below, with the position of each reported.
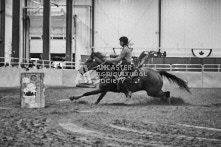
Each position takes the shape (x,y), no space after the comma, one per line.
(43,63)
(202,76)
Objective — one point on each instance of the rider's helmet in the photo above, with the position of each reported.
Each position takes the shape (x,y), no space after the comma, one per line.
(124,39)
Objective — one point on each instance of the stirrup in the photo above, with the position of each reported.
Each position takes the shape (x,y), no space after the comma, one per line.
(118,86)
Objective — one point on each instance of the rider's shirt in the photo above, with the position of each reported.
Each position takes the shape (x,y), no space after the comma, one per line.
(125,56)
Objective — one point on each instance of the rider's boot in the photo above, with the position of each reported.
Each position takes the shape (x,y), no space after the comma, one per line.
(126,88)
(129,94)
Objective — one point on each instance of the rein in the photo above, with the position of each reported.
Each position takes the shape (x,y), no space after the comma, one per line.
(98,65)
(99,60)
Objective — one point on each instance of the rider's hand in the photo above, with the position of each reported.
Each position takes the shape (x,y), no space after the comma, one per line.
(108,60)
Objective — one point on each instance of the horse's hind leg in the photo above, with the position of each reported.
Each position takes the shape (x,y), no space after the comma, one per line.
(167,97)
(164,96)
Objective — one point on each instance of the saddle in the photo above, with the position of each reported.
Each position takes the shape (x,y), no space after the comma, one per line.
(135,76)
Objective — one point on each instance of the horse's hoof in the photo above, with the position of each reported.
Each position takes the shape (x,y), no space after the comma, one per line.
(72,98)
(129,95)
(167,94)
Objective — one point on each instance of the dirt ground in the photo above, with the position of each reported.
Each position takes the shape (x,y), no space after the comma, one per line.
(191,120)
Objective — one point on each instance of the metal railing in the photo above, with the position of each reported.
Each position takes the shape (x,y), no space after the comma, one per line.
(212,67)
(29,63)
(186,67)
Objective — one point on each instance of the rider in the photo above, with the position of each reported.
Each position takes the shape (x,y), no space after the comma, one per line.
(124,59)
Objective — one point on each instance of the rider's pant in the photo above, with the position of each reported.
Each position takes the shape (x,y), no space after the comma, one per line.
(125,73)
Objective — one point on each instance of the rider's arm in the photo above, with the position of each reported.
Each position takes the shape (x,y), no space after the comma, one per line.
(118,58)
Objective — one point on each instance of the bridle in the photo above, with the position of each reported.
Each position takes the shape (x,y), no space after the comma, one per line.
(98,60)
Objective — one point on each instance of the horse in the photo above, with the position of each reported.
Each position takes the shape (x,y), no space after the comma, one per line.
(150,80)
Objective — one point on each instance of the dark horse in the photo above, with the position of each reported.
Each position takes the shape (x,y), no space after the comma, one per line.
(150,80)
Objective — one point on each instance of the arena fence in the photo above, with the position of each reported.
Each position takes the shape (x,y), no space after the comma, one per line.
(33,63)
(186,67)
(197,75)
(10,76)
(29,63)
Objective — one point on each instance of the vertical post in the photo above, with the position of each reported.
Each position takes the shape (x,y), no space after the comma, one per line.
(159,8)
(93,6)
(203,68)
(24,29)
(46,29)
(2,30)
(26,32)
(75,43)
(27,39)
(69,31)
(16,29)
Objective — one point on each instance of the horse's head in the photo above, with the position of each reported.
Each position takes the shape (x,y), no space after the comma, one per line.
(95,59)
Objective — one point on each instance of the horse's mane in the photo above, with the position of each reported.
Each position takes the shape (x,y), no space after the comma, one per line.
(99,55)
(142,55)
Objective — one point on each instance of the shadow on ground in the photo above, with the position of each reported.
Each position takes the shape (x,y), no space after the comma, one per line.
(174,101)
(154,101)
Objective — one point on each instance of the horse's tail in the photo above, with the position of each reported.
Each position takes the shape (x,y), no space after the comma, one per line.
(172,78)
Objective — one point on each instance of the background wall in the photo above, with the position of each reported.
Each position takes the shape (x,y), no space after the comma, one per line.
(191,24)
(186,24)
(81,44)
(137,19)
(58,30)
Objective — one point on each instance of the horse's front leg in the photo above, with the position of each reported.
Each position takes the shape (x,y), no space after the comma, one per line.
(85,94)
(101,96)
